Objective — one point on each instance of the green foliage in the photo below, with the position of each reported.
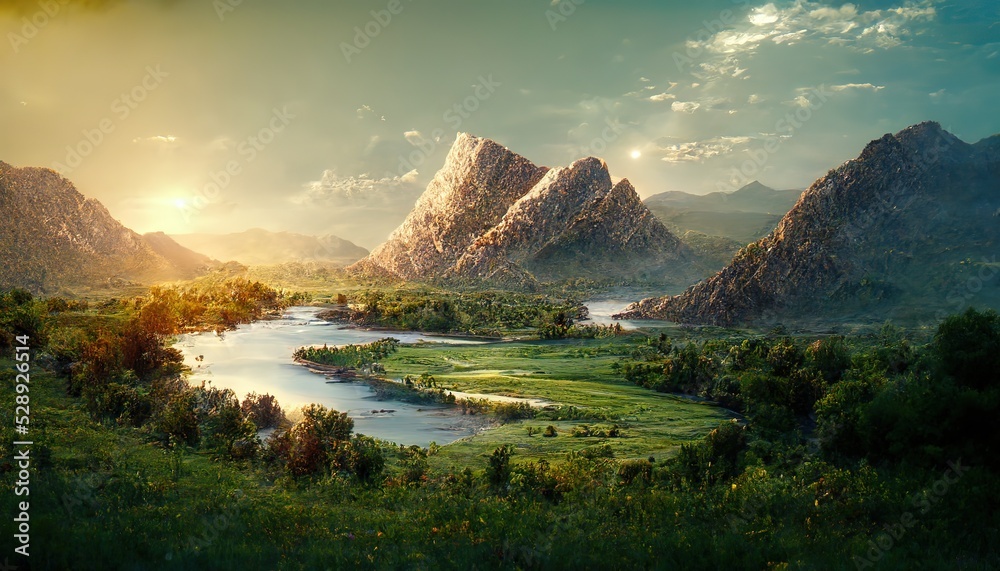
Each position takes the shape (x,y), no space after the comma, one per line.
(317,443)
(263,410)
(349,356)
(476,313)
(498,467)
(968,348)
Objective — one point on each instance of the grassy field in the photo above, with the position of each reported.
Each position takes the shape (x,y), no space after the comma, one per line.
(568,373)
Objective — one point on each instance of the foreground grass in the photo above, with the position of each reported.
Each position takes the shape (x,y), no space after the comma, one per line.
(568,373)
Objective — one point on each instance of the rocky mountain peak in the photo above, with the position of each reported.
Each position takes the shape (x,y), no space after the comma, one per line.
(877,234)
(489,213)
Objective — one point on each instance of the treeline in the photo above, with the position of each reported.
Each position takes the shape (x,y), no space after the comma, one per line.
(116,359)
(474,313)
(881,398)
(361,356)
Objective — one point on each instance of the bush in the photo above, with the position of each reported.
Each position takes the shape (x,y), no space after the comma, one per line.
(498,466)
(263,410)
(968,348)
(315,443)
(550,431)
(629,470)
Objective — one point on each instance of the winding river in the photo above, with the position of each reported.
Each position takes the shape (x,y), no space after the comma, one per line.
(258,358)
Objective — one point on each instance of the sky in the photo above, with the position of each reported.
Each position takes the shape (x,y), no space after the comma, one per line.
(331,117)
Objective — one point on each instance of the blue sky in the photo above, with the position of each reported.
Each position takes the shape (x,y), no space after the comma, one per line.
(330,117)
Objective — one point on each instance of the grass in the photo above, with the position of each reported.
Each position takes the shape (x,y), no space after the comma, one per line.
(568,373)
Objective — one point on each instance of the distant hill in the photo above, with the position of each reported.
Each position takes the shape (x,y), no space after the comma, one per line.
(52,237)
(909,231)
(491,216)
(257,247)
(742,216)
(188,262)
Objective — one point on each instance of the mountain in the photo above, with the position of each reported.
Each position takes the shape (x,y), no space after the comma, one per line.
(54,237)
(188,262)
(909,230)
(491,215)
(257,247)
(741,216)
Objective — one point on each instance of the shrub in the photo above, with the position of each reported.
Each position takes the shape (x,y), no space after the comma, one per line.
(498,466)
(550,431)
(263,410)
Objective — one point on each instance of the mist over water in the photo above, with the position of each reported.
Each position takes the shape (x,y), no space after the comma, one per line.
(258,358)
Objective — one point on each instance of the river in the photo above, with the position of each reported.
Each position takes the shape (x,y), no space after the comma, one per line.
(258,358)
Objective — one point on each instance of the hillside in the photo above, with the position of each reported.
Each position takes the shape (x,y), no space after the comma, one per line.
(53,237)
(741,217)
(907,231)
(257,247)
(490,215)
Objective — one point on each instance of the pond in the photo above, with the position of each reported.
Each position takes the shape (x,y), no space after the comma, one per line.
(258,358)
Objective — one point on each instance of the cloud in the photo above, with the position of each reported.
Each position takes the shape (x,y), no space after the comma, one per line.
(699,151)
(847,86)
(805,20)
(335,190)
(365,111)
(662,97)
(685,106)
(155,140)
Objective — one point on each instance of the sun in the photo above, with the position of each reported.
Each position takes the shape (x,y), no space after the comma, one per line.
(180,203)
(635,154)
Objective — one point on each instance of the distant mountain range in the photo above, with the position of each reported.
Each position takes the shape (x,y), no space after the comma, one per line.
(257,247)
(491,216)
(909,230)
(53,237)
(718,224)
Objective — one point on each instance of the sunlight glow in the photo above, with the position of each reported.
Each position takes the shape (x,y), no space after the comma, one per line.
(636,154)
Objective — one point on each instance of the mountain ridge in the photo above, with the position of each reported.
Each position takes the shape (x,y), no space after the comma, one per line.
(881,232)
(490,215)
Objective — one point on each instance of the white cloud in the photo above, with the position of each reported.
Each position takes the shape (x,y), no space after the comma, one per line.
(847,86)
(155,140)
(663,97)
(413,137)
(754,99)
(335,190)
(801,20)
(685,106)
(699,151)
(366,111)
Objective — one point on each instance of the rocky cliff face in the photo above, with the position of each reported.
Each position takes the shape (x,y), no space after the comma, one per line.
(52,236)
(480,180)
(890,234)
(491,215)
